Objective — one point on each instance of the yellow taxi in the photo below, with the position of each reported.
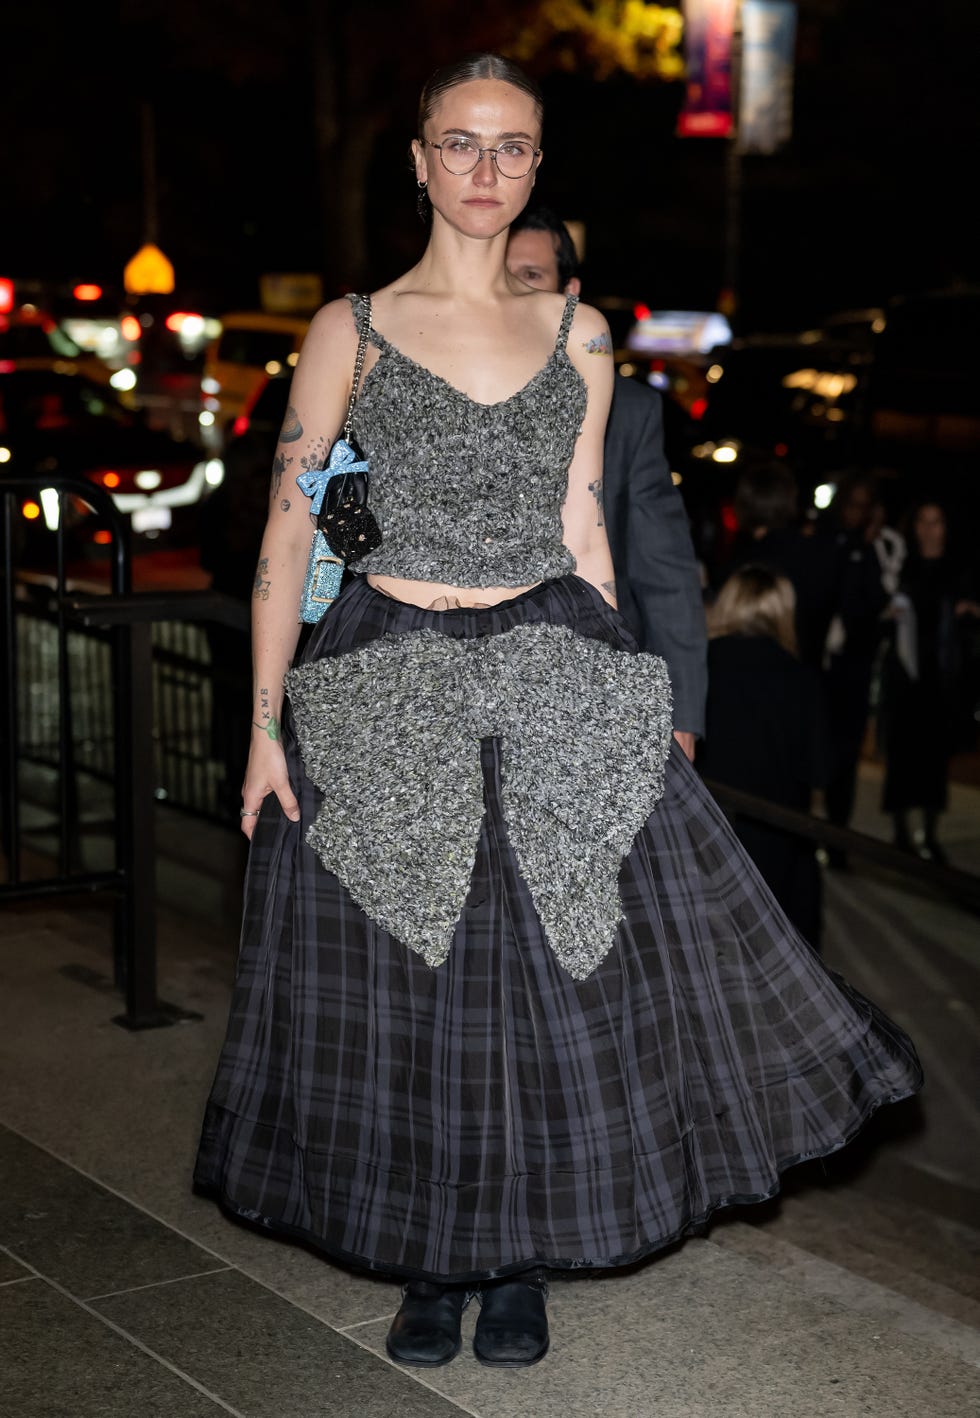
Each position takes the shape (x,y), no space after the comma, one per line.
(253,345)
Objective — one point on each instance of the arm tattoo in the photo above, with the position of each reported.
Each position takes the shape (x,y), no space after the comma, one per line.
(317,457)
(264,703)
(291,427)
(596,490)
(279,465)
(262,583)
(271,728)
(599,344)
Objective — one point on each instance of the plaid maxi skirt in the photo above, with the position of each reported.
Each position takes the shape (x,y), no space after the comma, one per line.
(493,1113)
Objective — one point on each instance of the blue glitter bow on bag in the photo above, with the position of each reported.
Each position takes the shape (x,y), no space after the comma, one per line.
(343,459)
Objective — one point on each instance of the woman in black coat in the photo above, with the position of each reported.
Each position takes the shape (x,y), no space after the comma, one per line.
(766,730)
(923,676)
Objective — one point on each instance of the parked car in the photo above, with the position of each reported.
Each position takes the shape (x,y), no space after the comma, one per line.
(253,344)
(62,422)
(30,339)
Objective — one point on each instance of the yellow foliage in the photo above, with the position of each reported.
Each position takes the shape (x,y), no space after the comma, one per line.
(604,36)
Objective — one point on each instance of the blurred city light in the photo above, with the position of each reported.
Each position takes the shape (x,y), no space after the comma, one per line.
(823,495)
(87,291)
(51,503)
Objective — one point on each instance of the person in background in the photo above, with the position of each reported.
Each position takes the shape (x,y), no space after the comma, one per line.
(854,636)
(921,678)
(766,730)
(658,582)
(770,532)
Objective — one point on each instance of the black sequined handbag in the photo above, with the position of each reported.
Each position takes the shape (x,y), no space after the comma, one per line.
(346,521)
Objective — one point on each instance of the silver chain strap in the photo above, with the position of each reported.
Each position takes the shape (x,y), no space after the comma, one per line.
(358,366)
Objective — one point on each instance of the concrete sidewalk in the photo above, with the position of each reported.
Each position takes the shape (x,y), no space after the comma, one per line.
(122,1295)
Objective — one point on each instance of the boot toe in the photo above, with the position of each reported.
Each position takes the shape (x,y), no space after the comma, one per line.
(426,1330)
(512,1327)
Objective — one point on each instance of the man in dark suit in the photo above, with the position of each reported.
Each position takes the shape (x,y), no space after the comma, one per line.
(658,585)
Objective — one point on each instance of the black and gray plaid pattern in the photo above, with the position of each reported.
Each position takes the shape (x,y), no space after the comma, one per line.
(494,1113)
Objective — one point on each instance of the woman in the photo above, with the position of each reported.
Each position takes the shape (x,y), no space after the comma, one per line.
(922,677)
(766,730)
(492,921)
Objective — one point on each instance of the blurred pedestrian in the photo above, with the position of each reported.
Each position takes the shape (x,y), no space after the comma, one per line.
(771,531)
(766,730)
(854,635)
(923,678)
(658,579)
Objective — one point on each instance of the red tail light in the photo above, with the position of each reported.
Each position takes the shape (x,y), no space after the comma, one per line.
(698,408)
(240,425)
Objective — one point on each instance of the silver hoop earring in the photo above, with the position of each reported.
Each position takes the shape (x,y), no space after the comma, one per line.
(421,200)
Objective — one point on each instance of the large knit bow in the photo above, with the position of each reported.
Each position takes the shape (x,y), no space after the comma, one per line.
(390,733)
(343,459)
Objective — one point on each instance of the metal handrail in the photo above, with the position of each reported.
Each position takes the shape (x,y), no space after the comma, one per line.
(963,886)
(128,618)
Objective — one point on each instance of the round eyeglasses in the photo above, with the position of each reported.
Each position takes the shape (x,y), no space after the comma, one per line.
(514,158)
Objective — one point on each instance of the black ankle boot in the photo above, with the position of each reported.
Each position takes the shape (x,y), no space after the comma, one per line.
(425,1331)
(512,1327)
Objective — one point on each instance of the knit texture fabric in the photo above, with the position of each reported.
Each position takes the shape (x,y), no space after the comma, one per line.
(391,734)
(468,494)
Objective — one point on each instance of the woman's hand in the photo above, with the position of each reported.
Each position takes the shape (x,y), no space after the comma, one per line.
(266,773)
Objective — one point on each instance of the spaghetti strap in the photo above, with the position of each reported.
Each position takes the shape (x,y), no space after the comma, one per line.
(566,321)
(361,309)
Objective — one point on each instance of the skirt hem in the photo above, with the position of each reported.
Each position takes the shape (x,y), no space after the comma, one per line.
(648,1249)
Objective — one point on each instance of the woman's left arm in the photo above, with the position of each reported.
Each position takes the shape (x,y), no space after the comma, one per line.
(590,350)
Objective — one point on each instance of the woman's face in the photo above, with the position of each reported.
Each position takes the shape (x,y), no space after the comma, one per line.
(930,529)
(482,202)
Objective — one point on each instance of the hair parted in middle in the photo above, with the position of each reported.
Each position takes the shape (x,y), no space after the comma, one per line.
(479,65)
(755,600)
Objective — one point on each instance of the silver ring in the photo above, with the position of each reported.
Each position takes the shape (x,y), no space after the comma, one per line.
(242,812)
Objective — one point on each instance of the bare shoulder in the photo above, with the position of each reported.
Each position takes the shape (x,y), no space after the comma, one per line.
(590,327)
(333,321)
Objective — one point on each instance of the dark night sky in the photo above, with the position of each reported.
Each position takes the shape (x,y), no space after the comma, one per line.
(868,201)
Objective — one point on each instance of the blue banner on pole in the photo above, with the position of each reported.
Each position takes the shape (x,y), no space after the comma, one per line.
(765,118)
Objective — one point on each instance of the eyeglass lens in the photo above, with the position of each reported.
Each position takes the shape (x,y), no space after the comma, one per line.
(461,155)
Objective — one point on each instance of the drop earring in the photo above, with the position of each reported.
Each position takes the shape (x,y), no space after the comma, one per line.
(421,199)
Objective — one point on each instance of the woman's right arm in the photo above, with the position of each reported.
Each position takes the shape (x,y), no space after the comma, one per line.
(318,398)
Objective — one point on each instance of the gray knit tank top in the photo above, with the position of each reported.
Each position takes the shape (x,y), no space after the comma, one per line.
(468,494)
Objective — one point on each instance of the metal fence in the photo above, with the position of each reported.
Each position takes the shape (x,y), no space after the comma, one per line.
(193,705)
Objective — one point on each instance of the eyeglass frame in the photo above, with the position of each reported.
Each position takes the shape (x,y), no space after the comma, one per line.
(493,152)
